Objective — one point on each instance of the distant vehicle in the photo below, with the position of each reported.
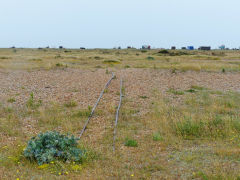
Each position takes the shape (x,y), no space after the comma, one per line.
(13,47)
(82,48)
(119,47)
(173,48)
(60,47)
(47,47)
(183,48)
(205,48)
(190,47)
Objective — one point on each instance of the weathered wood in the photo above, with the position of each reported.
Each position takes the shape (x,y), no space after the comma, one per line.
(117,115)
(92,112)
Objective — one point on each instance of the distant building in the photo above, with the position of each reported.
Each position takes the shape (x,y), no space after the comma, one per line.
(205,48)
(190,47)
(222,47)
(173,48)
(146,47)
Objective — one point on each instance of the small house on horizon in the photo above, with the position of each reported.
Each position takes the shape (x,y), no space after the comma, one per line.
(190,47)
(222,47)
(146,47)
(205,48)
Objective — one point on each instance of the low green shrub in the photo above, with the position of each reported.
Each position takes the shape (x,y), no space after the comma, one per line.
(143,97)
(35,60)
(172,53)
(157,137)
(32,103)
(59,65)
(174,70)
(175,92)
(188,128)
(111,61)
(83,113)
(214,128)
(236,125)
(98,57)
(164,51)
(131,143)
(198,88)
(11,100)
(51,146)
(70,104)
(191,91)
(4,58)
(150,58)
(143,51)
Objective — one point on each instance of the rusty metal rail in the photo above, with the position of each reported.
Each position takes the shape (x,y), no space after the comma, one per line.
(117,115)
(93,110)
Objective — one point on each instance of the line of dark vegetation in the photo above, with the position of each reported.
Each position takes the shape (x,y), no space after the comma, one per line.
(173,53)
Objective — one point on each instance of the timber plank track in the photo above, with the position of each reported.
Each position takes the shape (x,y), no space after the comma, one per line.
(96,104)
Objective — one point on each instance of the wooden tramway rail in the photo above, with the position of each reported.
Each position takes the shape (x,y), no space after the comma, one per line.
(93,110)
(117,114)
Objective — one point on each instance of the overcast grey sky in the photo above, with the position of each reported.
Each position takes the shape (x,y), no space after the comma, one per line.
(108,23)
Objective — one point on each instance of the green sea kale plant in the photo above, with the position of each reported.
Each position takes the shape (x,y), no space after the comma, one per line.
(51,146)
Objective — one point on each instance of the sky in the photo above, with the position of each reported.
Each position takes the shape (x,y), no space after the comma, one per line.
(110,23)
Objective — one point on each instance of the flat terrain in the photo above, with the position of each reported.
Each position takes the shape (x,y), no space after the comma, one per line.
(181,107)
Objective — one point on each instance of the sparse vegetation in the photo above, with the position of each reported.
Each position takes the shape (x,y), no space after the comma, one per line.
(131,142)
(157,137)
(60,65)
(175,92)
(172,53)
(35,60)
(83,113)
(189,131)
(98,58)
(167,59)
(70,104)
(143,97)
(11,100)
(144,51)
(150,58)
(111,62)
(4,57)
(32,103)
(198,88)
(191,90)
